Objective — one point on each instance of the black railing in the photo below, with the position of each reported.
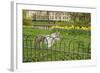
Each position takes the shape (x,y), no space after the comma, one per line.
(64,49)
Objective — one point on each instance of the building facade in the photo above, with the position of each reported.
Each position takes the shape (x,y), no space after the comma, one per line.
(47,15)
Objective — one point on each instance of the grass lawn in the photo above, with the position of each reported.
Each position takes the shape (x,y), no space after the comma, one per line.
(73,45)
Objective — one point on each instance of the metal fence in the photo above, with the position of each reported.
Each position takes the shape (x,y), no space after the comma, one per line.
(65,49)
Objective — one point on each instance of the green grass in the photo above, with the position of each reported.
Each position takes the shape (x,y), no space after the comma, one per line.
(78,49)
(68,23)
(39,23)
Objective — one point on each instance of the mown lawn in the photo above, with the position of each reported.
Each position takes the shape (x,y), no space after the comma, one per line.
(73,45)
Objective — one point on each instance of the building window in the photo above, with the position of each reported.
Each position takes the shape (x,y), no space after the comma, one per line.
(52,17)
(63,18)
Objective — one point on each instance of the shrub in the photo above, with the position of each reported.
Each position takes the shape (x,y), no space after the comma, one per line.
(27,22)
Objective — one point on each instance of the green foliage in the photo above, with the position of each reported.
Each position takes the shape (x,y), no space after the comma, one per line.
(80,18)
(27,22)
(60,50)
